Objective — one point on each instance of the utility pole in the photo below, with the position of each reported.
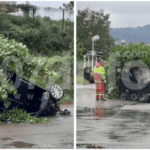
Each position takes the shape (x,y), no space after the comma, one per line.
(66,7)
(63,21)
(34,8)
(63,9)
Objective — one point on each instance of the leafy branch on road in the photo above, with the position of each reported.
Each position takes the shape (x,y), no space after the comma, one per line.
(20,116)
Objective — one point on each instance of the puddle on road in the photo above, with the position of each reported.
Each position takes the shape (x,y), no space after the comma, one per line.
(90,146)
(94,146)
(6,138)
(99,112)
(113,136)
(19,144)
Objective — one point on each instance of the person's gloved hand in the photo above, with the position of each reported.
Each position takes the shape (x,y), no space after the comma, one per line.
(105,81)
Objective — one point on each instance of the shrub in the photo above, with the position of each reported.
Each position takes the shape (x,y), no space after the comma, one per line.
(21,62)
(43,36)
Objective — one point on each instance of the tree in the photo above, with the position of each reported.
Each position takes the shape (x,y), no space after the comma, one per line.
(90,23)
(67,7)
(80,49)
(27,9)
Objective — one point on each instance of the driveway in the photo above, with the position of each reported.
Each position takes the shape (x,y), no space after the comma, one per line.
(57,134)
(111,124)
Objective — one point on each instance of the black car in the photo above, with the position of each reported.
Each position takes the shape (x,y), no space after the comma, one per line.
(135,85)
(32,98)
(87,74)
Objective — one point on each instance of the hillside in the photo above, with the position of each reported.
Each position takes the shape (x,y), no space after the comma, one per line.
(134,35)
(43,36)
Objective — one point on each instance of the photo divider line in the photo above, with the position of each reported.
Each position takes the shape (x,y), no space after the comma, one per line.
(75,101)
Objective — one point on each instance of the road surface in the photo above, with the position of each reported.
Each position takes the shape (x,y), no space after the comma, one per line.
(56,134)
(111,124)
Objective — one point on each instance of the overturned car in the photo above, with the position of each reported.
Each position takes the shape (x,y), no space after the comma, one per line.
(32,98)
(87,74)
(135,84)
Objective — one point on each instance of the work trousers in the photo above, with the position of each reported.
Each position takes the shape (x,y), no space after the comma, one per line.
(100,90)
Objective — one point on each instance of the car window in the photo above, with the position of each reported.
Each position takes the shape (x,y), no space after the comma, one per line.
(143,74)
(132,77)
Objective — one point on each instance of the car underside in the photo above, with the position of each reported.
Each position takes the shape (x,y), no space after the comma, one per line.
(137,86)
(31,97)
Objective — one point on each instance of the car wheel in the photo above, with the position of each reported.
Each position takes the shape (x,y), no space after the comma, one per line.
(56,92)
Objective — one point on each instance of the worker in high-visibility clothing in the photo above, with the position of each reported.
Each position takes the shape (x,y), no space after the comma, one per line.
(99,78)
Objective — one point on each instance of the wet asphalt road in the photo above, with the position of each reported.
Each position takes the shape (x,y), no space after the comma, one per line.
(57,134)
(115,124)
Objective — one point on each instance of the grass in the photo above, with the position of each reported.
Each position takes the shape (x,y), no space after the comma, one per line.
(80,80)
(65,99)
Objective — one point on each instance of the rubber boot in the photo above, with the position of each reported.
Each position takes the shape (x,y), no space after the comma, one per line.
(97,97)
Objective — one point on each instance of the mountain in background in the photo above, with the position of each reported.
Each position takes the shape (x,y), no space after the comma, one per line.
(133,35)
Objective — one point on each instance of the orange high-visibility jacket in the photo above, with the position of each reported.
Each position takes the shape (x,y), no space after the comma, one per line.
(99,73)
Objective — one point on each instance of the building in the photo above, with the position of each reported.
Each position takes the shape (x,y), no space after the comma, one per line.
(8,6)
(11,2)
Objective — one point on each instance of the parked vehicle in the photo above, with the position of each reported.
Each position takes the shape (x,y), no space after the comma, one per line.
(31,97)
(137,87)
(87,74)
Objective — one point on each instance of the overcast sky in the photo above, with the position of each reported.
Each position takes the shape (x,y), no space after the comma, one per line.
(55,14)
(122,14)
(55,4)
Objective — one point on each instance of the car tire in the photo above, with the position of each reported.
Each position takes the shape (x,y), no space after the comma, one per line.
(56,92)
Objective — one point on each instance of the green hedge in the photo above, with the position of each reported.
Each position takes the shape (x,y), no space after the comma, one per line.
(125,54)
(20,61)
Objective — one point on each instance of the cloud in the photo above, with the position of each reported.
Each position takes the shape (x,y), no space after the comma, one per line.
(55,4)
(122,14)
